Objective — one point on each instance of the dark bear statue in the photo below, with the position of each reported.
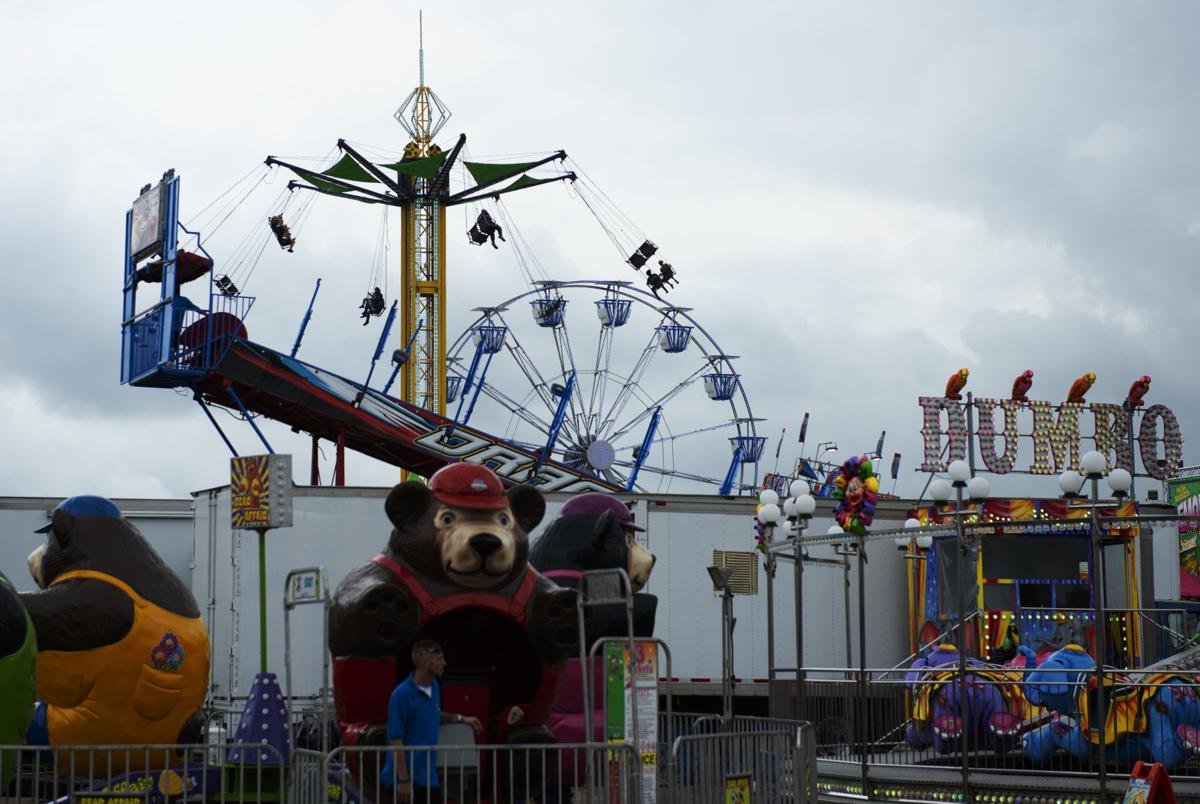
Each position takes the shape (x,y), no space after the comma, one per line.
(123,652)
(455,570)
(595,531)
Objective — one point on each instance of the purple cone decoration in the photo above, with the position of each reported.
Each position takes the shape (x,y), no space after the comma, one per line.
(264,722)
(856,488)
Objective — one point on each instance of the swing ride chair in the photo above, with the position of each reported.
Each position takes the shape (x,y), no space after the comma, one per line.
(589,419)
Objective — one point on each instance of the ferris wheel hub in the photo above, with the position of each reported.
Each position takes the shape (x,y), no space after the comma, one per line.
(600,455)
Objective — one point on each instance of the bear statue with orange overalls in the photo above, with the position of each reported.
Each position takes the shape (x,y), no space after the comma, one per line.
(123,654)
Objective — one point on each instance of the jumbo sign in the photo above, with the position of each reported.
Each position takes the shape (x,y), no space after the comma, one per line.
(951,428)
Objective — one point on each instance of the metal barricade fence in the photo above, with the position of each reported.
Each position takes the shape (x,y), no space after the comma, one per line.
(755,766)
(551,773)
(310,782)
(309,717)
(141,773)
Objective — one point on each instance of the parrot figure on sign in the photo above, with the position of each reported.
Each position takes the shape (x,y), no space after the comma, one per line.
(1080,387)
(1136,391)
(955,384)
(1021,386)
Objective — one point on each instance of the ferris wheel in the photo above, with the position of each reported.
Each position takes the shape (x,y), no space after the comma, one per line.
(611,381)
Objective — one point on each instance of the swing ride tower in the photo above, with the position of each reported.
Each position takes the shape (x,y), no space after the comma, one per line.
(419,184)
(423,267)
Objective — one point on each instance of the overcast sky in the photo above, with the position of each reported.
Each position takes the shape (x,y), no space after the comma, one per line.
(859,199)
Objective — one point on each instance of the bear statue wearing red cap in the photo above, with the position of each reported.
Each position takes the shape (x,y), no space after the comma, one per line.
(455,570)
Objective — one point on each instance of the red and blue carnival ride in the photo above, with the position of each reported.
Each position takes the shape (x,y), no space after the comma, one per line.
(602,428)
(176,343)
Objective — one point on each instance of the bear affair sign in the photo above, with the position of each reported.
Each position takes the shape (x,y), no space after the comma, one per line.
(1057,431)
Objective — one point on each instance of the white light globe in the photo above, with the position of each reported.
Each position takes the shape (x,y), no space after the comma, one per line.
(769,514)
(903,541)
(834,530)
(799,487)
(789,506)
(925,542)
(1070,482)
(1120,481)
(959,471)
(1093,463)
(768,497)
(979,488)
(805,505)
(912,522)
(940,489)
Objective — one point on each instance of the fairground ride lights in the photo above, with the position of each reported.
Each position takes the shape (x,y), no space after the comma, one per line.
(1056,438)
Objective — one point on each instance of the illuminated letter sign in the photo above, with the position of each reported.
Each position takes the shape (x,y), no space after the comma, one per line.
(1000,464)
(1055,433)
(956,430)
(1058,438)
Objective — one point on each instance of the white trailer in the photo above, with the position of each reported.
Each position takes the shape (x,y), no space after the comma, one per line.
(340,528)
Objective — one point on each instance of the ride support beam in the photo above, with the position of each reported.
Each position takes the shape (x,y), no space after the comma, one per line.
(314,478)
(339,464)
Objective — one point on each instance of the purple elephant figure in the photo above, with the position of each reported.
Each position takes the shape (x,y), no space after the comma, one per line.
(939,717)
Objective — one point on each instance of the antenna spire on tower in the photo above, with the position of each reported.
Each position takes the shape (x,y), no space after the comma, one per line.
(421,44)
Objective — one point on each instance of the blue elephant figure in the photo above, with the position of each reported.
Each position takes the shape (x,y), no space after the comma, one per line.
(1157,720)
(938,718)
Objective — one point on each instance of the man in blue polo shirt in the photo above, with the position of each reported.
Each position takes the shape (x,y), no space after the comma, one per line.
(414,717)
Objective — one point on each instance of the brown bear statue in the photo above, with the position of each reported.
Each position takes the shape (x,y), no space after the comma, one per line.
(455,570)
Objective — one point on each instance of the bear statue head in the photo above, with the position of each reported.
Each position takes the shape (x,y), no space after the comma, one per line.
(595,531)
(87,532)
(464,528)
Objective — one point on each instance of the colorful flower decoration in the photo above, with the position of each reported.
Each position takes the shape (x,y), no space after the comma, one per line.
(856,488)
(168,653)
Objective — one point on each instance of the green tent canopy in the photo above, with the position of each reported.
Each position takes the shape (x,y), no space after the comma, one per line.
(487,174)
(349,170)
(426,168)
(520,184)
(316,181)
(528,181)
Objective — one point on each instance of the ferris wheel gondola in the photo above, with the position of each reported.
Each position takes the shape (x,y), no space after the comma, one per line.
(685,426)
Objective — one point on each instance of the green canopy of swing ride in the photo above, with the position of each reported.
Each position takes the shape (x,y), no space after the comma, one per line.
(347,169)
(487,173)
(316,180)
(426,168)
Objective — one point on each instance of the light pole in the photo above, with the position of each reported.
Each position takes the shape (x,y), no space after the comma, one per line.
(822,448)
(798,509)
(769,497)
(720,580)
(1094,465)
(910,545)
(978,489)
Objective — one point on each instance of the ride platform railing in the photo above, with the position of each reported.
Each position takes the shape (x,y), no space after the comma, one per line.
(919,733)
